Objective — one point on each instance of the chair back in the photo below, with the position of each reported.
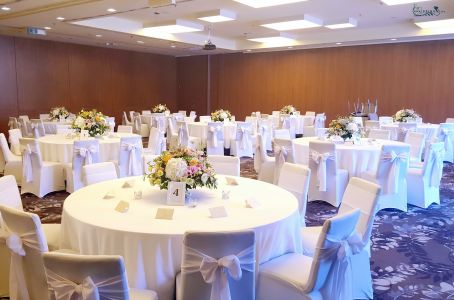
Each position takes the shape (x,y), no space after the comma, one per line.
(99,172)
(416,141)
(192,114)
(10,193)
(284,151)
(379,134)
(433,164)
(124,119)
(44,117)
(37,128)
(319,121)
(282,134)
(358,120)
(225,165)
(85,152)
(373,116)
(25,235)
(124,129)
(25,118)
(215,138)
(259,153)
(7,154)
(182,112)
(393,167)
(146,112)
(130,160)
(156,141)
(369,124)
(254,121)
(323,163)
(24,127)
(404,128)
(183,134)
(289,122)
(137,123)
(31,160)
(328,269)
(159,122)
(13,123)
(363,195)
(205,252)
(244,134)
(308,120)
(310,113)
(445,134)
(205,119)
(103,275)
(295,179)
(385,120)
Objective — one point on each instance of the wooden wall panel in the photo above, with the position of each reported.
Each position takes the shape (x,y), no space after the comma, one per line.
(8,88)
(417,75)
(192,74)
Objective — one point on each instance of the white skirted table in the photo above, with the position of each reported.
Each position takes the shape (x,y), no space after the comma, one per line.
(355,158)
(200,130)
(50,127)
(152,247)
(429,130)
(59,147)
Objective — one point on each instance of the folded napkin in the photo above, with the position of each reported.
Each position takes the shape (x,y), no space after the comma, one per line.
(109,195)
(128,184)
(122,206)
(231,181)
(252,203)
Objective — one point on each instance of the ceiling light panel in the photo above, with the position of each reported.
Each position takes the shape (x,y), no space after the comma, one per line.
(280,40)
(177,26)
(398,2)
(266,3)
(306,22)
(435,24)
(350,22)
(218,15)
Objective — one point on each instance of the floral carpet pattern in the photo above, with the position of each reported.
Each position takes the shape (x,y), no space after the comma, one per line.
(412,252)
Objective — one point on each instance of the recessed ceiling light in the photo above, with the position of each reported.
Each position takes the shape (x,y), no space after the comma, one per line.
(218,15)
(6,8)
(173,46)
(351,22)
(432,24)
(176,26)
(248,50)
(338,43)
(281,40)
(98,35)
(111,10)
(47,28)
(60,18)
(290,47)
(266,3)
(140,42)
(397,2)
(307,22)
(393,39)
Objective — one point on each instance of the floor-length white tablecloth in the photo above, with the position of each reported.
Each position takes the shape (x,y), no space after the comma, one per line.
(200,130)
(428,129)
(355,158)
(59,147)
(50,127)
(152,248)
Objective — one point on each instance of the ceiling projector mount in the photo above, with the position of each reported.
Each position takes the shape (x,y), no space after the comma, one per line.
(208,44)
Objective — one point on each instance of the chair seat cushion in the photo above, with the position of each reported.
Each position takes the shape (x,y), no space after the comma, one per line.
(52,233)
(136,294)
(309,237)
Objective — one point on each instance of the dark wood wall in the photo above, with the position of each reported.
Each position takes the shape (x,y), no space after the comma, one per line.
(418,75)
(36,75)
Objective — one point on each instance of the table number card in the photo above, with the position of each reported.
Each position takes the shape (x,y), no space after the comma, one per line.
(176,193)
(218,212)
(164,213)
(122,206)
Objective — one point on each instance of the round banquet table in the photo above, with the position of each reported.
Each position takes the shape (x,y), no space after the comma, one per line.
(152,248)
(428,129)
(50,127)
(59,147)
(200,130)
(355,158)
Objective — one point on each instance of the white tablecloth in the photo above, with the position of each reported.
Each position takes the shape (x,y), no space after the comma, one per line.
(200,130)
(51,127)
(428,129)
(59,148)
(152,248)
(353,158)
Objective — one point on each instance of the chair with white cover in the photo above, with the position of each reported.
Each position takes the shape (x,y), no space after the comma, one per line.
(265,128)
(423,184)
(309,125)
(416,141)
(39,177)
(275,113)
(225,165)
(99,172)
(255,122)
(2,163)
(85,152)
(446,135)
(183,139)
(242,145)
(124,128)
(328,182)
(381,134)
(97,276)
(370,124)
(363,195)
(156,143)
(281,134)
(130,159)
(215,138)
(385,120)
(263,164)
(62,129)
(44,117)
(37,128)
(205,119)
(13,123)
(24,127)
(288,122)
(391,175)
(217,266)
(284,151)
(192,114)
(14,136)
(146,112)
(125,121)
(326,275)
(310,113)
(295,179)
(404,128)
(182,112)
(111,123)
(13,163)
(449,120)
(138,127)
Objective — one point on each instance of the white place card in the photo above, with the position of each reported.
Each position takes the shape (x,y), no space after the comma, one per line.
(164,213)
(252,203)
(218,212)
(231,181)
(122,206)
(176,193)
(128,184)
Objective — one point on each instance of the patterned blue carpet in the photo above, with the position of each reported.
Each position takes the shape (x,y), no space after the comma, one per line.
(412,253)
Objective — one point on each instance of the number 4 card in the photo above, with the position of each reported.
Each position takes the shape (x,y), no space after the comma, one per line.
(176,193)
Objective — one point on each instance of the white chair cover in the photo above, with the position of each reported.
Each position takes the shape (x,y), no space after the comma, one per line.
(13,123)
(156,142)
(416,141)
(183,134)
(283,152)
(396,161)
(24,127)
(215,138)
(385,120)
(124,120)
(124,128)
(404,128)
(320,159)
(242,145)
(446,135)
(85,152)
(14,136)
(205,119)
(379,134)
(320,121)
(130,161)
(95,173)
(225,165)
(31,158)
(13,163)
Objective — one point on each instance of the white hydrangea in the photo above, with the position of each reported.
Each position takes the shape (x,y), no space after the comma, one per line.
(204,178)
(80,122)
(353,127)
(176,169)
(223,115)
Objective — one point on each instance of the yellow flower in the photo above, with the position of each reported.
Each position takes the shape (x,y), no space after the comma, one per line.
(193,162)
(157,181)
(166,157)
(159,173)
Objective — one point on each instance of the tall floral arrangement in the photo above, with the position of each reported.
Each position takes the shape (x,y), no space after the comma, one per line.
(221,115)
(405,115)
(92,120)
(344,127)
(59,112)
(160,108)
(182,165)
(288,110)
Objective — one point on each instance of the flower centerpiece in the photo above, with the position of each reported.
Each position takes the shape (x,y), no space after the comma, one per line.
(92,120)
(345,128)
(58,113)
(221,115)
(405,115)
(288,110)
(160,108)
(182,165)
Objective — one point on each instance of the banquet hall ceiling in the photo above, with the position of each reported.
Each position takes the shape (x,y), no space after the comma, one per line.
(89,22)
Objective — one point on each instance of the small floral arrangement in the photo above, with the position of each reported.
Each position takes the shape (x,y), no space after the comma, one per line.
(58,113)
(344,127)
(91,120)
(405,115)
(288,110)
(221,115)
(182,165)
(160,108)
